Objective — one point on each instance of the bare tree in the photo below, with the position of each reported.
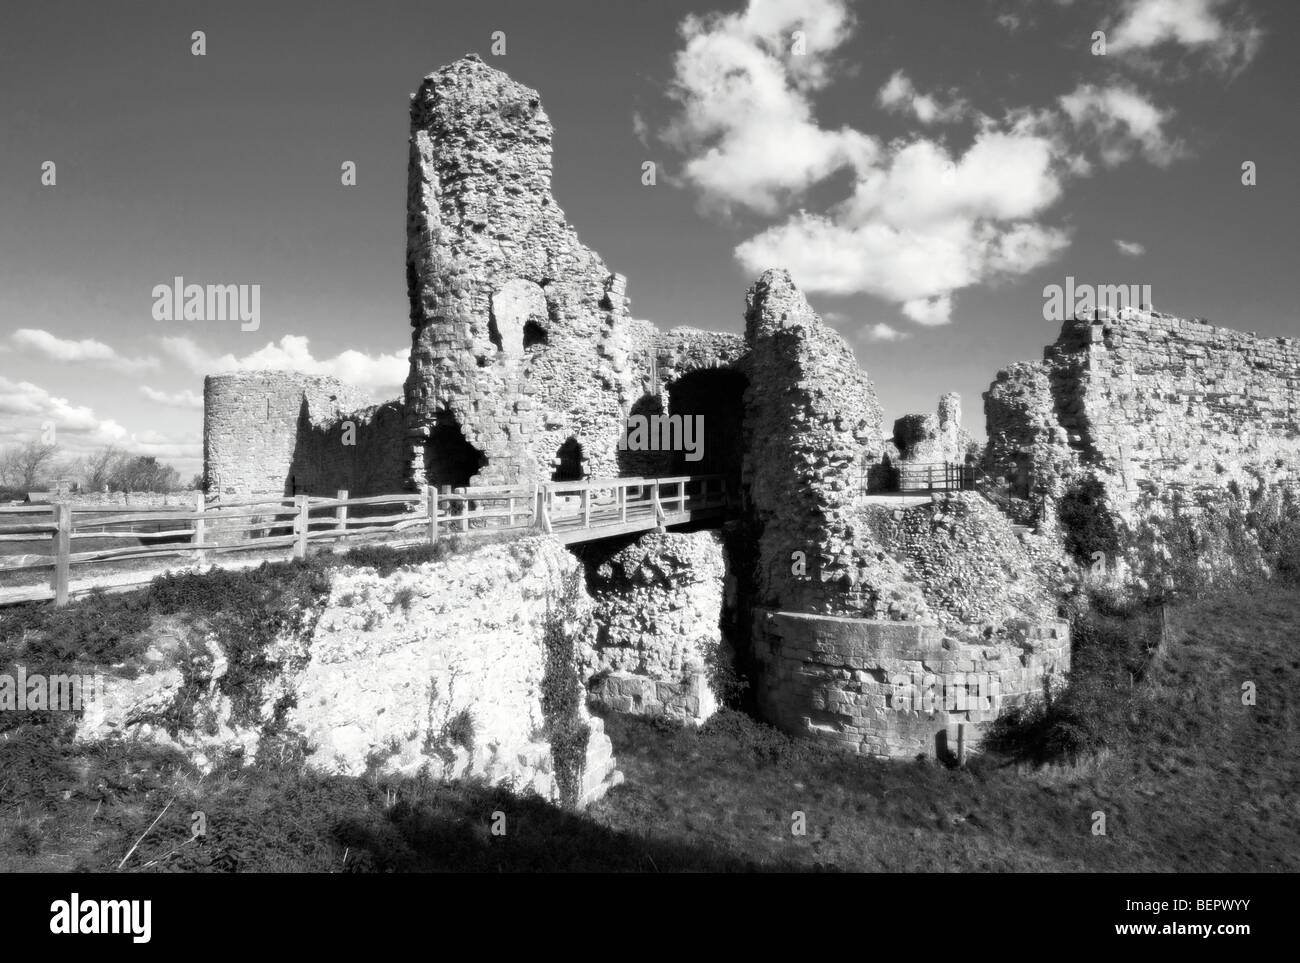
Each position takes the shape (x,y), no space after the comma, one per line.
(28,462)
(99,467)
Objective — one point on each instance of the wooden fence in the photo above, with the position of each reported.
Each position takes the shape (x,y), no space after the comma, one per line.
(573,511)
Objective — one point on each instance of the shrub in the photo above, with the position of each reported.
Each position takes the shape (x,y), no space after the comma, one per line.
(1094,711)
(722,675)
(386,559)
(1086,524)
(562,689)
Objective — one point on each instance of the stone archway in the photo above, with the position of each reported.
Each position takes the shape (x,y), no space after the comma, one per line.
(450,460)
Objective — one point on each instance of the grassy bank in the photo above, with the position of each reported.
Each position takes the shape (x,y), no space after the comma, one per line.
(1189,779)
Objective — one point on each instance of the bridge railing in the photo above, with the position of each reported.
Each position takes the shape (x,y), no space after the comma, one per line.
(289,524)
(606,502)
(935,476)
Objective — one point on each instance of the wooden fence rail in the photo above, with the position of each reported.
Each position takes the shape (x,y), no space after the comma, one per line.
(574,511)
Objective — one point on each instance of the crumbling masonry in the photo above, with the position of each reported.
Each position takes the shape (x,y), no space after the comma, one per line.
(863,613)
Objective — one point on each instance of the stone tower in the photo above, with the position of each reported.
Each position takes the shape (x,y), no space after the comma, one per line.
(523,354)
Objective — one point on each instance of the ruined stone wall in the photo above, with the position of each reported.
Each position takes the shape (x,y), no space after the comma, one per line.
(521,334)
(811,420)
(525,361)
(658,610)
(852,588)
(933,438)
(1163,409)
(692,371)
(359,451)
(254,424)
(902,688)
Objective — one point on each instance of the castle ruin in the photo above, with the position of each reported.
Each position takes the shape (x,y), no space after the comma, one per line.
(886,626)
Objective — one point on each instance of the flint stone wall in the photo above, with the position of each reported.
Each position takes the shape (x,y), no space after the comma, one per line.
(1163,409)
(281,433)
(521,334)
(812,429)
(835,679)
(658,607)
(933,438)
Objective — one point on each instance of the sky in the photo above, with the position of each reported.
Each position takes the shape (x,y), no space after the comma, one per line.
(924,169)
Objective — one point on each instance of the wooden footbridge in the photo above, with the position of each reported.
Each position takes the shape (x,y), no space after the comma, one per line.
(123,547)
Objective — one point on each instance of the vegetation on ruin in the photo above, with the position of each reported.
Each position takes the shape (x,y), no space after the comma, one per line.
(1190,777)
(244,612)
(1087,526)
(1194,780)
(563,694)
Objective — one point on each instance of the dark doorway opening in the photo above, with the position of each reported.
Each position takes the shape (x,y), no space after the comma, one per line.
(568,462)
(714,400)
(534,334)
(449,458)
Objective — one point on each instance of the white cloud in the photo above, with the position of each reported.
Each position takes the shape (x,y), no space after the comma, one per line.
(900,96)
(36,406)
(1009,22)
(1220,30)
(741,90)
(1131,248)
(884,332)
(921,221)
(26,409)
(293,353)
(86,350)
(178,399)
(929,311)
(1124,124)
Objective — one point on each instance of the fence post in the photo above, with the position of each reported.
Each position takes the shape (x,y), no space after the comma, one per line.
(200,505)
(586,508)
(622,503)
(464,509)
(431,503)
(543,517)
(341,513)
(62,549)
(300,525)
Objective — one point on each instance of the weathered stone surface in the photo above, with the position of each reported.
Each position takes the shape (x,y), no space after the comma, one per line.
(280,432)
(513,317)
(437,665)
(901,689)
(811,421)
(1160,409)
(658,609)
(936,438)
(522,344)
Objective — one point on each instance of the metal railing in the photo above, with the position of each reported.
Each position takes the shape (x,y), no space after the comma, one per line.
(935,476)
